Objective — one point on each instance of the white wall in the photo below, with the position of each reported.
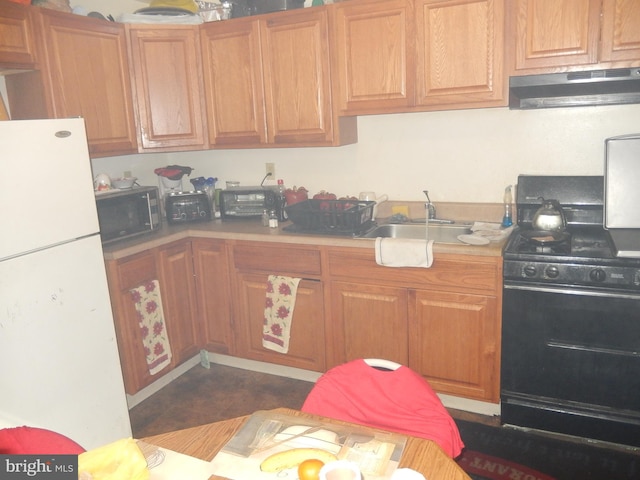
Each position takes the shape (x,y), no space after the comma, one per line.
(465,156)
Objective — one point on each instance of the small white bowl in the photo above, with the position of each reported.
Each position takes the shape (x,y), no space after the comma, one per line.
(123,183)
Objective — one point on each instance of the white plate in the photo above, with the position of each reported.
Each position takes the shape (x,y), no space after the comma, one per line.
(473,239)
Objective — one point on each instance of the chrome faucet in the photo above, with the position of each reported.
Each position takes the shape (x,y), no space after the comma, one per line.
(431,208)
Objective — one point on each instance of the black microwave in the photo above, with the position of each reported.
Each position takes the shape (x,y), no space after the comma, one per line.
(128,213)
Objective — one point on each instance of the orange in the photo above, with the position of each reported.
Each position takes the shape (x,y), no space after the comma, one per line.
(310,469)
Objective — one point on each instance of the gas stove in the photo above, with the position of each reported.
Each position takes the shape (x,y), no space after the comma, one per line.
(570,307)
(581,255)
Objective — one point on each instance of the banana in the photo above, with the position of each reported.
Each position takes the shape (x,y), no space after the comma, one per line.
(294,457)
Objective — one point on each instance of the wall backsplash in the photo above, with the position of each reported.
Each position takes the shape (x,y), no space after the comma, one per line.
(459,156)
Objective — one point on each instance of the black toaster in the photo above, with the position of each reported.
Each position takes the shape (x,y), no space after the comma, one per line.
(184,207)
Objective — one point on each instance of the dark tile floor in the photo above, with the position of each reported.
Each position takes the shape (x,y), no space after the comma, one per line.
(203,396)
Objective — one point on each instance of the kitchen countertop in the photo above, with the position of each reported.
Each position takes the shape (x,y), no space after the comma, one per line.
(253,230)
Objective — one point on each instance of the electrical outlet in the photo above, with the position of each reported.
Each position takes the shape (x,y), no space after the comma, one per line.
(270,169)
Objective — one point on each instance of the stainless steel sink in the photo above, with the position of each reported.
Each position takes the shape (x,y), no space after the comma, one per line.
(438,233)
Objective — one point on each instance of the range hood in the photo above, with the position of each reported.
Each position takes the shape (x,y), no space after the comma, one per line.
(575,89)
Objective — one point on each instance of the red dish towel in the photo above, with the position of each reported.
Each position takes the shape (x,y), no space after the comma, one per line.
(278,312)
(148,304)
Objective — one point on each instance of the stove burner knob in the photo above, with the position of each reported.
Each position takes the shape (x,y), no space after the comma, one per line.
(530,270)
(552,272)
(597,275)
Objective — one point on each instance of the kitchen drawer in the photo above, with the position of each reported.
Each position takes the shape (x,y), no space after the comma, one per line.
(133,271)
(276,258)
(454,272)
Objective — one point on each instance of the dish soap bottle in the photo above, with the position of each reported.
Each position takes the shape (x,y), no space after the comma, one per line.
(506,220)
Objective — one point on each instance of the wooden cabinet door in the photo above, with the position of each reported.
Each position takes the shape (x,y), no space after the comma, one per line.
(550,35)
(375,54)
(454,342)
(211,268)
(307,338)
(620,38)
(123,275)
(460,53)
(88,76)
(232,66)
(177,284)
(168,87)
(297,78)
(368,321)
(17,41)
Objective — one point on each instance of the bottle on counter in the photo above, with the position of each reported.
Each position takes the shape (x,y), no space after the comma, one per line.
(507,221)
(273,219)
(265,218)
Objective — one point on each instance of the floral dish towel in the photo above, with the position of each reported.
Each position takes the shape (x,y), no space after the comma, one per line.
(148,304)
(278,312)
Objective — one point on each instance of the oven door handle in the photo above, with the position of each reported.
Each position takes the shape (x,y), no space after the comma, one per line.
(572,291)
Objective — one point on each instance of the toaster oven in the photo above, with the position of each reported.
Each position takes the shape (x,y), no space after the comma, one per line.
(250,202)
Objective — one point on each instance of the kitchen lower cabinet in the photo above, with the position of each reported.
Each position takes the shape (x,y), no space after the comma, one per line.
(253,262)
(443,322)
(369,321)
(123,275)
(306,341)
(178,286)
(168,88)
(211,267)
(453,342)
(171,265)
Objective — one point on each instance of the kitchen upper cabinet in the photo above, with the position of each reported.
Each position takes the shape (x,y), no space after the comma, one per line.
(551,34)
(211,267)
(374,48)
(620,36)
(253,262)
(269,82)
(234,83)
(84,74)
(179,300)
(297,80)
(460,53)
(17,41)
(168,89)
(417,55)
(566,35)
(453,342)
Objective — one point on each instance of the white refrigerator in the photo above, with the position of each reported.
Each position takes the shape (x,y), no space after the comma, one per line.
(59,363)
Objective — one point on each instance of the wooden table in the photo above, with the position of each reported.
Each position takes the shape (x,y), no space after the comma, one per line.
(205,441)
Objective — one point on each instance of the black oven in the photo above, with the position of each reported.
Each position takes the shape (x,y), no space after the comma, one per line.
(571,322)
(571,361)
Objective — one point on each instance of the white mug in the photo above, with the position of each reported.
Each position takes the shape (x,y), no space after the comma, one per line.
(340,470)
